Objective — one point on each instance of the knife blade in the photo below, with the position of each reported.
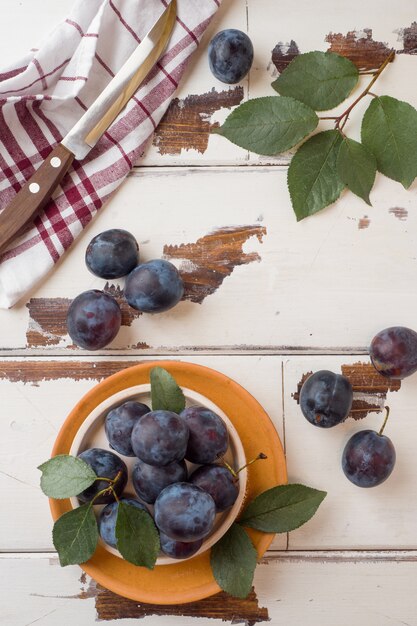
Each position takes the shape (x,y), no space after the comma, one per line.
(37,191)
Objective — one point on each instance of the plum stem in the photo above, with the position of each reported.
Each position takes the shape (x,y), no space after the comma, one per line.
(110,488)
(107,490)
(230,468)
(260,456)
(387,409)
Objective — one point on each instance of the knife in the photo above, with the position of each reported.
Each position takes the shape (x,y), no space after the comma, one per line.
(37,191)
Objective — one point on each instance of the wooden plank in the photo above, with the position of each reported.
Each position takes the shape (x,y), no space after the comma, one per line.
(376,589)
(326,283)
(351,517)
(38,394)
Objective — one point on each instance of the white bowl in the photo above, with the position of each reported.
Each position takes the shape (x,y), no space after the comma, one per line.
(92,435)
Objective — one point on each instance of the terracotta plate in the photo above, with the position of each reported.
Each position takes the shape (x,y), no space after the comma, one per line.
(190,580)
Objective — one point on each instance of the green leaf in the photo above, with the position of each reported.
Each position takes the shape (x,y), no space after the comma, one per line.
(356,167)
(75,535)
(313,180)
(137,537)
(233,562)
(320,79)
(165,392)
(65,476)
(389,131)
(283,508)
(269,125)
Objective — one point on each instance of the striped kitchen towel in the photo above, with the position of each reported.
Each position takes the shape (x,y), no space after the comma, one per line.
(43,95)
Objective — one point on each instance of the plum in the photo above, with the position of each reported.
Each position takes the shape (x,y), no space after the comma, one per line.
(326,398)
(108,465)
(393,352)
(230,55)
(93,319)
(185,512)
(154,287)
(112,254)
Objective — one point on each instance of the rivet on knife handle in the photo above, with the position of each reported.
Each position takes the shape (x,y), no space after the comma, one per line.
(34,195)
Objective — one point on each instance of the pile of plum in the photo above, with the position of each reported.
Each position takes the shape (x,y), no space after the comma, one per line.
(368,458)
(184,506)
(94,317)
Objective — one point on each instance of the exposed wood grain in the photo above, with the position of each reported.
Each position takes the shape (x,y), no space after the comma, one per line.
(204,266)
(283,54)
(35,372)
(207,262)
(110,606)
(359,47)
(409,36)
(186,124)
(369,388)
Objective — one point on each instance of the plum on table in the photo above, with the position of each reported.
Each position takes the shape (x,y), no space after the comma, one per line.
(154,287)
(326,398)
(230,55)
(369,457)
(393,352)
(93,319)
(112,254)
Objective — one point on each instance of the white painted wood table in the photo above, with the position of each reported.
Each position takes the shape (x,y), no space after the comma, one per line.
(269,300)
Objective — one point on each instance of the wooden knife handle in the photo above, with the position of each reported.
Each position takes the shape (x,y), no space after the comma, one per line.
(34,195)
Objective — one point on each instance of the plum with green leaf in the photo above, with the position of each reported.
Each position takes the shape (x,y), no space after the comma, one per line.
(111,472)
(108,517)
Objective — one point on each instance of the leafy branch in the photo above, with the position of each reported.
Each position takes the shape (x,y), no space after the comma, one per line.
(329,161)
(345,115)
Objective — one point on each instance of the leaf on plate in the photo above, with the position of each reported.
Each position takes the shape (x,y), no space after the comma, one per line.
(233,562)
(282,509)
(137,536)
(65,476)
(313,181)
(320,79)
(389,131)
(269,125)
(356,167)
(75,535)
(165,392)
